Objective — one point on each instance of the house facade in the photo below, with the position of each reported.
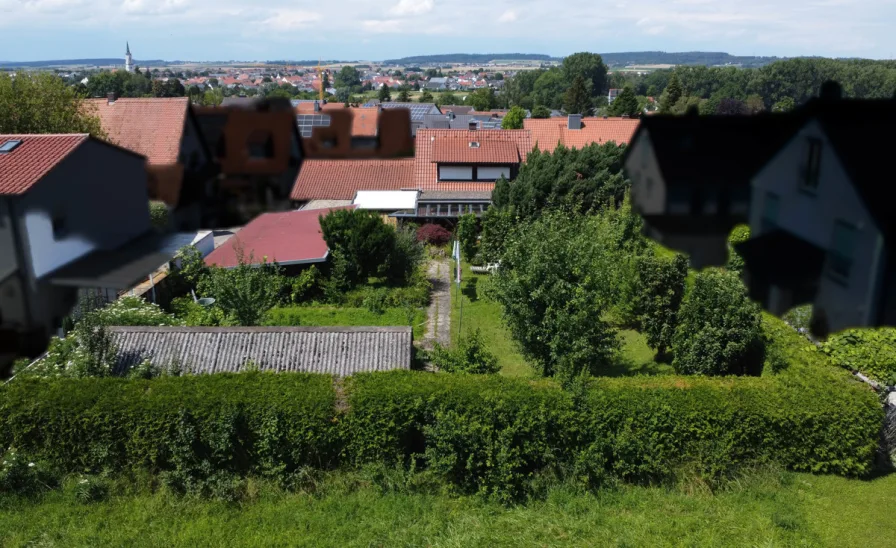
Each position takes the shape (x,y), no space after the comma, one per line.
(65,200)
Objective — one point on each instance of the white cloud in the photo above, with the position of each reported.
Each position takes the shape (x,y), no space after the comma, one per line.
(286,20)
(508,16)
(382,26)
(412,7)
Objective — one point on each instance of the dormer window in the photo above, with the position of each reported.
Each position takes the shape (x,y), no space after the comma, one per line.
(474,144)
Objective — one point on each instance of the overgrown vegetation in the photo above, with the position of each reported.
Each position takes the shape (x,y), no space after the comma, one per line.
(871,351)
(469,355)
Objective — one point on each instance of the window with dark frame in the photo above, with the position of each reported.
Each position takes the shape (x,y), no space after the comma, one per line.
(812,169)
(841,251)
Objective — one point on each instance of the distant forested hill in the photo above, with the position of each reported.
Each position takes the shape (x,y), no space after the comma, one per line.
(88,62)
(611,59)
(469,58)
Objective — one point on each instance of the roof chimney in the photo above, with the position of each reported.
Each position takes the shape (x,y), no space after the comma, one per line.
(474,125)
(316,106)
(574,121)
(451,115)
(111,97)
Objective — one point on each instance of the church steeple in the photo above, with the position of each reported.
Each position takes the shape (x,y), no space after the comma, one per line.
(128,61)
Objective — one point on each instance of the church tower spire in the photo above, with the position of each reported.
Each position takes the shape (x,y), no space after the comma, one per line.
(128,61)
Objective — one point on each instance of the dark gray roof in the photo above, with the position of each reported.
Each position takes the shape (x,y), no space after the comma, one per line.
(330,350)
(239,101)
(460,121)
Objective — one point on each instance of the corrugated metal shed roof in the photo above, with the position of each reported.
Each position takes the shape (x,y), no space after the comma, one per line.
(330,350)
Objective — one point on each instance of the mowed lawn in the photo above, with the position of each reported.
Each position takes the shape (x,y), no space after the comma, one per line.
(322,316)
(770,509)
(635,357)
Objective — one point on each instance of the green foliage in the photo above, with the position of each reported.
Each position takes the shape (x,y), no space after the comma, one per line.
(626,103)
(403,95)
(588,66)
(514,118)
(671,95)
(661,286)
(482,99)
(577,99)
(739,234)
(364,246)
(495,436)
(194,314)
(467,234)
(195,430)
(349,78)
(40,102)
(558,275)
(246,292)
(719,328)
(425,97)
(583,179)
(869,351)
(799,316)
(541,111)
(470,355)
(20,475)
(310,316)
(497,225)
(159,216)
(384,94)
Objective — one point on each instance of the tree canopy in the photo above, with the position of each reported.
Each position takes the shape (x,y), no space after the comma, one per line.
(42,103)
(514,118)
(577,100)
(625,103)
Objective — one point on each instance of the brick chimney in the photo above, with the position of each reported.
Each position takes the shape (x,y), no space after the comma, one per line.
(111,97)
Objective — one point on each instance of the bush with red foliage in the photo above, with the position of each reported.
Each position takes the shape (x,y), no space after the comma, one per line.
(433,234)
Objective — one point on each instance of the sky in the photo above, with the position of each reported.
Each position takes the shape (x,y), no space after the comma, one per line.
(205,30)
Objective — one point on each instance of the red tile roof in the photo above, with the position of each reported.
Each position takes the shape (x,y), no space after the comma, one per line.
(455,151)
(547,133)
(426,175)
(340,179)
(33,158)
(308,108)
(364,121)
(292,237)
(152,127)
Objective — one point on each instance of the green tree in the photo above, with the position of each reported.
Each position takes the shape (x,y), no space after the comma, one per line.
(585,179)
(245,293)
(425,97)
(671,95)
(42,103)
(740,234)
(325,81)
(651,91)
(577,99)
(784,105)
(447,98)
(557,278)
(403,95)
(549,88)
(660,284)
(212,98)
(541,111)
(467,235)
(348,77)
(469,356)
(384,95)
(520,88)
(625,103)
(719,328)
(483,99)
(497,224)
(590,67)
(514,118)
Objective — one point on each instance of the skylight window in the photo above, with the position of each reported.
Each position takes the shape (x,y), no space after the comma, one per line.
(9,146)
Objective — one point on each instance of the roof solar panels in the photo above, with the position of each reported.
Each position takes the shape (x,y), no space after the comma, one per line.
(418,110)
(307,123)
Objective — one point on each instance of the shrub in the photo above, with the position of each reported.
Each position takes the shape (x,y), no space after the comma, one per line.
(18,474)
(246,292)
(129,310)
(497,224)
(90,489)
(870,351)
(433,234)
(190,426)
(159,216)
(719,328)
(467,235)
(193,314)
(493,435)
(469,356)
(740,234)
(660,287)
(366,244)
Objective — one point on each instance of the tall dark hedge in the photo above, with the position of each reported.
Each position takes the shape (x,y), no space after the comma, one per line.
(489,435)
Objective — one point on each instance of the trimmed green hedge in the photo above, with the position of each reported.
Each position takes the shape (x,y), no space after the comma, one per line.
(491,435)
(243,423)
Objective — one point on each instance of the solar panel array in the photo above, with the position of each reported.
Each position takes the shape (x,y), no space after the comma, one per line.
(307,123)
(418,110)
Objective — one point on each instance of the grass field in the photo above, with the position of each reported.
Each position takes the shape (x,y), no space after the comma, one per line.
(345,509)
(636,357)
(345,316)
(486,316)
